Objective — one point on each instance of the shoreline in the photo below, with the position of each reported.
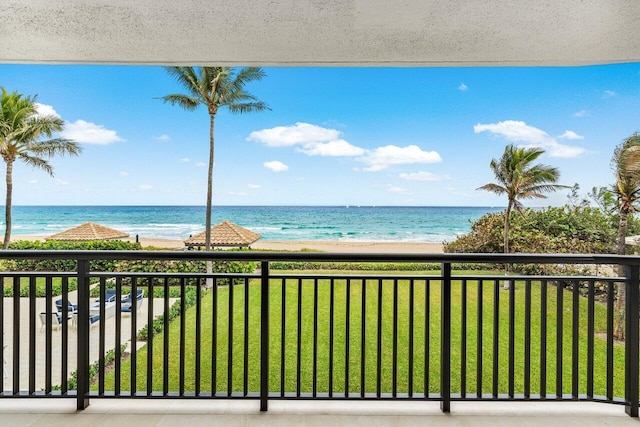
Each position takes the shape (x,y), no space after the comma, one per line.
(294,245)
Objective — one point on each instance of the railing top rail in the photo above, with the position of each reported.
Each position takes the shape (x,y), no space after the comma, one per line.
(323,256)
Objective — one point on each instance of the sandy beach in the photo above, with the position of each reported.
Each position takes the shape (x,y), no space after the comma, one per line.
(321,246)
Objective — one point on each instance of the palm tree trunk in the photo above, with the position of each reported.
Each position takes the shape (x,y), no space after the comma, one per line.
(507,226)
(7,206)
(619,332)
(207,239)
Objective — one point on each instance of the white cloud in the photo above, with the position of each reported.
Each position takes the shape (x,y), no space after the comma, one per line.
(200,164)
(89,133)
(463,87)
(144,187)
(33,181)
(184,160)
(300,133)
(237,193)
(569,134)
(397,190)
(276,166)
(382,157)
(337,148)
(608,94)
(529,136)
(124,173)
(164,137)
(254,186)
(45,110)
(581,113)
(61,181)
(421,176)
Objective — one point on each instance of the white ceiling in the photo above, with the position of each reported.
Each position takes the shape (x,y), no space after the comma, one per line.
(321,32)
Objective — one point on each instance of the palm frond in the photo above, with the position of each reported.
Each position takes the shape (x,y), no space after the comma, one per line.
(189,103)
(36,163)
(493,188)
(57,146)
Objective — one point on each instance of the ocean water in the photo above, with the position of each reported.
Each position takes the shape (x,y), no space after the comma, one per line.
(273,223)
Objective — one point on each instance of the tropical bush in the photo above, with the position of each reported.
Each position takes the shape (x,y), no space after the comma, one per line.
(565,229)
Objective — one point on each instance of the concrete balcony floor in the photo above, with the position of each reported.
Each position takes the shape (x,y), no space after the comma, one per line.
(171,413)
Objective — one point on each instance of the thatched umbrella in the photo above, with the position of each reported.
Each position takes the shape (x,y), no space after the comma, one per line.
(88,231)
(225,234)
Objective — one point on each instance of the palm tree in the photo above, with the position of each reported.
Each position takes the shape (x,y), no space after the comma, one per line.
(215,88)
(627,189)
(21,128)
(519,179)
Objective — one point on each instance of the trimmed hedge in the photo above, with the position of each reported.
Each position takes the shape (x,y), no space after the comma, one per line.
(63,264)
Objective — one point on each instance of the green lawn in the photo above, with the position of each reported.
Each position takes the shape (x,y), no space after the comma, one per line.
(353,319)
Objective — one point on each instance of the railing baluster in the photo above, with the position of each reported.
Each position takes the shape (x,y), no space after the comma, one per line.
(347,325)
(427,336)
(118,337)
(150,332)
(512,339)
(463,339)
(65,334)
(631,356)
(101,338)
(314,375)
(48,338)
(559,338)
(2,278)
(363,338)
(394,337)
(165,340)
(590,337)
(479,340)
(183,340)
(575,339)
(299,339)
(198,337)
(527,339)
(264,335)
(543,339)
(134,337)
(230,340)
(245,375)
(379,343)
(496,330)
(411,333)
(16,335)
(445,353)
(214,337)
(32,334)
(283,337)
(331,333)
(610,300)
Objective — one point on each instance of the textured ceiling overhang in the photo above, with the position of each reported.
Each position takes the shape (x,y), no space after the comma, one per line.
(321,32)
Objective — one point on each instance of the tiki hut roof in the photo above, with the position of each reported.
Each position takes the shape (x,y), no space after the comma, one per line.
(88,231)
(225,234)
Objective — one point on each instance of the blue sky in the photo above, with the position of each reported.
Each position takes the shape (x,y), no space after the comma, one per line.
(334,136)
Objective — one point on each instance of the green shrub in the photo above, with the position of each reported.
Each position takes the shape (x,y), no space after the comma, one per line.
(41,290)
(190,296)
(66,264)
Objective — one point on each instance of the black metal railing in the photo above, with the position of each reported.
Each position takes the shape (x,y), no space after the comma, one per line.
(444,335)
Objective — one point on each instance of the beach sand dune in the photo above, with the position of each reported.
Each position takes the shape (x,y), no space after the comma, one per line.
(321,246)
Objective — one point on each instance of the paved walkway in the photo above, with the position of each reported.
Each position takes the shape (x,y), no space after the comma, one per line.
(56,379)
(172,413)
